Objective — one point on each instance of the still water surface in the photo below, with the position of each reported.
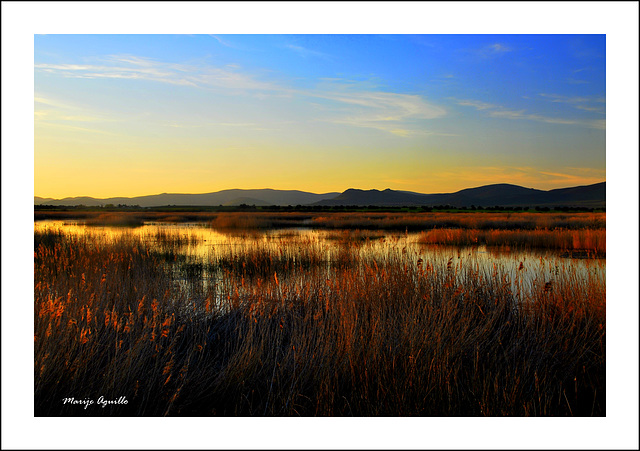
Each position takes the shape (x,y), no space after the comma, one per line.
(198,244)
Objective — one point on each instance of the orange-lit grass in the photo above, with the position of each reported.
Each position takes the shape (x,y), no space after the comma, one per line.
(348,220)
(259,220)
(482,221)
(95,217)
(116,220)
(569,240)
(390,336)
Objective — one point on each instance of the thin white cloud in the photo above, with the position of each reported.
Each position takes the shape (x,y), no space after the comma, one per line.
(394,129)
(498,48)
(222,41)
(134,71)
(499,112)
(40,99)
(575,81)
(571,100)
(58,125)
(574,179)
(398,114)
(522,115)
(52,115)
(592,104)
(131,67)
(209,124)
(305,52)
(527,176)
(595,109)
(476,104)
(600,124)
(492,50)
(54,111)
(387,105)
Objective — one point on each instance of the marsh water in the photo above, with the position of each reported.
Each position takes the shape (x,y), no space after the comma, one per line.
(196,247)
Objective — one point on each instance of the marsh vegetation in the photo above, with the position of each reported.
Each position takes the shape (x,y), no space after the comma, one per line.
(364,315)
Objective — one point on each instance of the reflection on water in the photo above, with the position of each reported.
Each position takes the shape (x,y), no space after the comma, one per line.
(205,252)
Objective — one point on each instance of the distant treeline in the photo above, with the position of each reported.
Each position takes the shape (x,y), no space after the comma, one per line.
(314,208)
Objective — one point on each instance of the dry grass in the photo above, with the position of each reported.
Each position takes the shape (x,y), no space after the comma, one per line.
(352,220)
(593,241)
(107,218)
(480,221)
(309,334)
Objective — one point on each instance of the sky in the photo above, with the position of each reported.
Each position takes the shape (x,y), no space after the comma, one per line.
(130,115)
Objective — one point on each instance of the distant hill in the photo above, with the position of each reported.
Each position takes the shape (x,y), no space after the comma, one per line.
(247,201)
(501,194)
(387,197)
(225,197)
(41,200)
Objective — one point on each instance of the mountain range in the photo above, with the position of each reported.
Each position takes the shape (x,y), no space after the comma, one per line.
(258,197)
(502,194)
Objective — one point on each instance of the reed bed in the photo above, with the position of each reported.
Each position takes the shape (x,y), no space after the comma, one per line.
(593,241)
(108,217)
(320,332)
(350,220)
(259,220)
(116,220)
(480,221)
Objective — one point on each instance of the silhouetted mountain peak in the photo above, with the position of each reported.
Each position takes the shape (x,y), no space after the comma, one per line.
(502,194)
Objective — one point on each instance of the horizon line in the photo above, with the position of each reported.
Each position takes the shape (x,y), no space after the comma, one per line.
(310,192)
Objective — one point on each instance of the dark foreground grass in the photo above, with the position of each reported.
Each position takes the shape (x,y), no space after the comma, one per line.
(366,337)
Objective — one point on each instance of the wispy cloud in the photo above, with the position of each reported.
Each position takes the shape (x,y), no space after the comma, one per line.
(253,126)
(390,112)
(492,50)
(305,52)
(75,128)
(52,115)
(575,81)
(52,110)
(600,124)
(500,112)
(529,177)
(582,50)
(391,106)
(40,99)
(595,109)
(394,129)
(593,104)
(580,178)
(571,100)
(223,41)
(497,48)
(476,104)
(137,68)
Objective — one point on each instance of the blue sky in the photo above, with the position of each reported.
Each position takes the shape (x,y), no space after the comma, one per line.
(427,113)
